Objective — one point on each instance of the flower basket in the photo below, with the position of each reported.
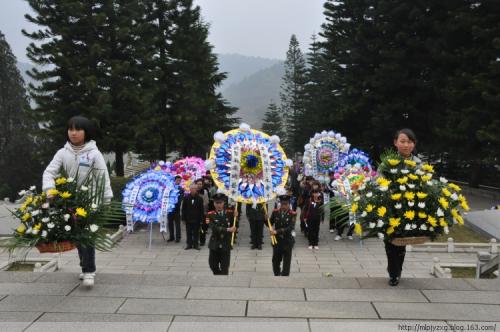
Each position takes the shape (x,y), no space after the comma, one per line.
(53,247)
(404,241)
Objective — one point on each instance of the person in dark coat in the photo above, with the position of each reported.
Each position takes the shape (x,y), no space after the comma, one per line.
(220,222)
(313,217)
(256,218)
(193,216)
(282,227)
(174,217)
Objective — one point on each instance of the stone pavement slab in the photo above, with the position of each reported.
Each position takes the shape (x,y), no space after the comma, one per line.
(240,293)
(60,303)
(365,295)
(344,325)
(240,324)
(311,309)
(417,283)
(135,291)
(481,297)
(17,321)
(301,282)
(10,288)
(184,307)
(437,311)
(486,222)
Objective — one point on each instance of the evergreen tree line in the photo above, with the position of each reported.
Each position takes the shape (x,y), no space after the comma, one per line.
(142,70)
(381,65)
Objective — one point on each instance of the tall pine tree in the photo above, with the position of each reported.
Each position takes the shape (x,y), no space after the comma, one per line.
(292,95)
(272,124)
(19,162)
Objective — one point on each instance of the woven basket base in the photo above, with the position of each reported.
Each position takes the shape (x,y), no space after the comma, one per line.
(55,247)
(403,241)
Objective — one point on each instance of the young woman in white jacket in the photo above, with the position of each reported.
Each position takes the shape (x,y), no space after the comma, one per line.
(77,158)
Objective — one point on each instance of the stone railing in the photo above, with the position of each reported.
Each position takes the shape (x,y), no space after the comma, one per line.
(452,246)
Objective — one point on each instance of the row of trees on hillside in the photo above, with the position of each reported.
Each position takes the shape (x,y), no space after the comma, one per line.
(380,65)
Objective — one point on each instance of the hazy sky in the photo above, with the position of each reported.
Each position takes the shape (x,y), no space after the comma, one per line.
(249,27)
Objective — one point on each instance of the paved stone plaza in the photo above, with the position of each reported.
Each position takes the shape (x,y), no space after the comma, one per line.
(340,287)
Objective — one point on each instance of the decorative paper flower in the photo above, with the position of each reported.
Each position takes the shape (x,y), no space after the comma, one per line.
(248,165)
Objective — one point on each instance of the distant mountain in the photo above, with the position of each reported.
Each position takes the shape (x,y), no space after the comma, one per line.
(254,93)
(239,66)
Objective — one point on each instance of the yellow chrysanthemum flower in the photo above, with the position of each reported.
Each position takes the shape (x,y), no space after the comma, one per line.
(390,230)
(28,200)
(446,192)
(65,195)
(428,168)
(410,215)
(413,177)
(393,162)
(460,220)
(454,187)
(461,198)
(381,211)
(442,222)
(444,203)
(409,195)
(53,192)
(26,217)
(394,222)
(369,208)
(60,181)
(383,182)
(422,215)
(37,227)
(81,212)
(23,208)
(421,195)
(396,197)
(358,229)
(465,205)
(432,221)
(402,180)
(21,229)
(410,163)
(426,177)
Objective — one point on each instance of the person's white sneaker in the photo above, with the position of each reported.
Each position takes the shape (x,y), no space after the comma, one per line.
(331,230)
(338,237)
(81,276)
(310,247)
(88,279)
(350,238)
(316,247)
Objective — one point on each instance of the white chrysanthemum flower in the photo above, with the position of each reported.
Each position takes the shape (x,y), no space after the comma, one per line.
(393,170)
(29,230)
(405,171)
(419,172)
(369,194)
(45,220)
(34,231)
(69,180)
(411,203)
(362,187)
(398,206)
(407,227)
(66,217)
(411,185)
(94,206)
(423,227)
(364,214)
(383,188)
(413,226)
(446,230)
(84,188)
(22,193)
(245,127)
(356,199)
(371,225)
(454,196)
(44,233)
(421,205)
(380,236)
(430,183)
(45,205)
(51,225)
(32,188)
(94,228)
(35,213)
(439,212)
(380,223)
(67,228)
(402,188)
(443,180)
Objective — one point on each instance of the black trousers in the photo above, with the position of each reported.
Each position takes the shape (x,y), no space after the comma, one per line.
(256,231)
(340,229)
(219,261)
(192,234)
(174,225)
(87,259)
(279,255)
(395,259)
(313,231)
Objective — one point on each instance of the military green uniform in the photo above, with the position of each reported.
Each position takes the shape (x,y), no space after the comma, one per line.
(220,240)
(283,223)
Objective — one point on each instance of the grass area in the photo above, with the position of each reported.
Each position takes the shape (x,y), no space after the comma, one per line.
(22,267)
(462,234)
(467,272)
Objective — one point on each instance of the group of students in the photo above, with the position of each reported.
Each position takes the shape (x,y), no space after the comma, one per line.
(203,209)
